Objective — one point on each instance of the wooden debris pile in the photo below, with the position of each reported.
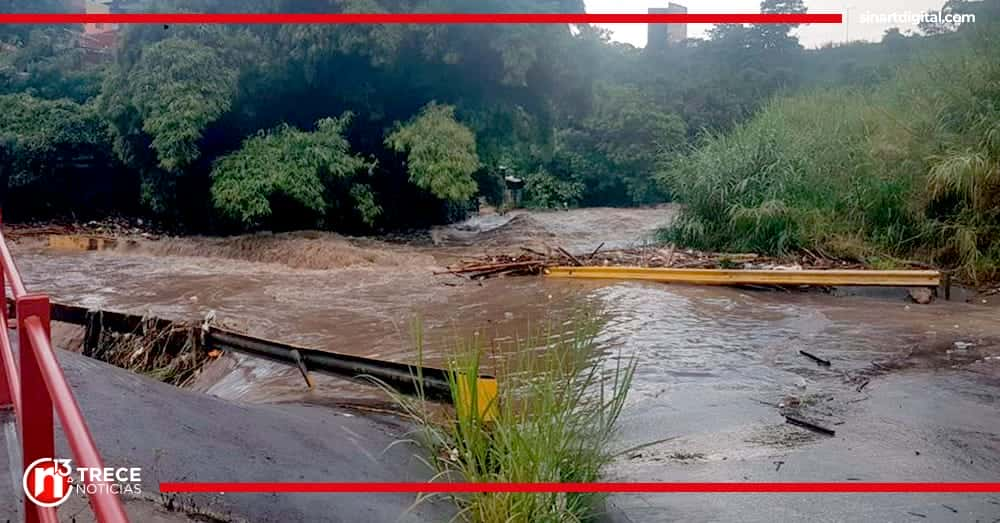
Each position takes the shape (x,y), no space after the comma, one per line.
(534,261)
(108,228)
(493,266)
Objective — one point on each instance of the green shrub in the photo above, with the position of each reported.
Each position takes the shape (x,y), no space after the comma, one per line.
(612,153)
(291,164)
(542,190)
(38,136)
(441,153)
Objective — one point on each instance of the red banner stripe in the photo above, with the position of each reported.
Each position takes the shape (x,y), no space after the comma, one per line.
(457,488)
(416,18)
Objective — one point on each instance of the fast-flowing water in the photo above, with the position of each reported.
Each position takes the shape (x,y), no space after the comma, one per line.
(359,296)
(364,296)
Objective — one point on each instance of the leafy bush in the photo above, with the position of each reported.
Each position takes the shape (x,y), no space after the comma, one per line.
(364,203)
(543,190)
(177,88)
(159,104)
(613,151)
(441,152)
(39,136)
(56,158)
(290,164)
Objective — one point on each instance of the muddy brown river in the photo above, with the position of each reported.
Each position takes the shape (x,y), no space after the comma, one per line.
(912,391)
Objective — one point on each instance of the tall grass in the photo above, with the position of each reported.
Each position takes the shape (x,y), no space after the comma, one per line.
(552,421)
(908,168)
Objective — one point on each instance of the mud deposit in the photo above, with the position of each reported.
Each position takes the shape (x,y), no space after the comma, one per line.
(911,391)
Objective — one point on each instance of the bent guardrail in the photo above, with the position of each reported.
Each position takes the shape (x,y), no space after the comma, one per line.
(428,382)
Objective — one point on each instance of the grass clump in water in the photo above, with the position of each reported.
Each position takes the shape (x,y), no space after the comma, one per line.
(552,422)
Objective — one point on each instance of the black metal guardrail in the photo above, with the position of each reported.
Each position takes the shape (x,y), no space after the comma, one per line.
(400,376)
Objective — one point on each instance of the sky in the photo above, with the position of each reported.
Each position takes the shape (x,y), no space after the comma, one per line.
(810,35)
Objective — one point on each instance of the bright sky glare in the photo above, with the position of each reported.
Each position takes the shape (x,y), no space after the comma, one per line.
(810,35)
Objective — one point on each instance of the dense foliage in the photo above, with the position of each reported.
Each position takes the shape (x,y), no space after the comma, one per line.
(288,165)
(160,107)
(908,167)
(613,151)
(440,153)
(39,137)
(223,128)
(55,152)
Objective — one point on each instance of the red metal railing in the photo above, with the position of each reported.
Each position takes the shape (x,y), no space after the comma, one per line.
(34,386)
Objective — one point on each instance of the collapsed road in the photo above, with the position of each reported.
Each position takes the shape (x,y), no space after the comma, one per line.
(911,390)
(179,435)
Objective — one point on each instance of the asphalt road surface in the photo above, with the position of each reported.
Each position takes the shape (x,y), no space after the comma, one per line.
(178,435)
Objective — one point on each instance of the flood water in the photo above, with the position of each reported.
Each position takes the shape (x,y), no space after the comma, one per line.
(321,290)
(714,363)
(365,296)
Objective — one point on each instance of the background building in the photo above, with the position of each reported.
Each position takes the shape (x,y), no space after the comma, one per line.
(662,35)
(102,37)
(98,37)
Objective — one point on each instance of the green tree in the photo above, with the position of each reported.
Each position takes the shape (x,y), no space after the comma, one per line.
(544,190)
(614,150)
(440,152)
(18,33)
(163,103)
(287,163)
(42,137)
(496,77)
(761,37)
(778,36)
(934,23)
(178,88)
(55,158)
(586,115)
(44,61)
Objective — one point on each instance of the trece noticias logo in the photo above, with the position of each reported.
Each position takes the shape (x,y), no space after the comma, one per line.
(49,482)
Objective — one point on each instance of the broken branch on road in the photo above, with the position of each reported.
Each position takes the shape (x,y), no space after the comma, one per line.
(799,422)
(817,359)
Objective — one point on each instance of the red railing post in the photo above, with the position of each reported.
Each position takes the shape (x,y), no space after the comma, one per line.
(37,428)
(5,394)
(6,399)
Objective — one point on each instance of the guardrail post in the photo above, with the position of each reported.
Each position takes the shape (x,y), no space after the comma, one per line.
(5,398)
(37,428)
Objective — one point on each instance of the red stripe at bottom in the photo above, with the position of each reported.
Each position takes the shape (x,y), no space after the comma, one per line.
(458,488)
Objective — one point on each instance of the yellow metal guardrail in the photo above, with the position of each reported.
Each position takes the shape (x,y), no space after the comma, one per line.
(484,398)
(755,277)
(73,242)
